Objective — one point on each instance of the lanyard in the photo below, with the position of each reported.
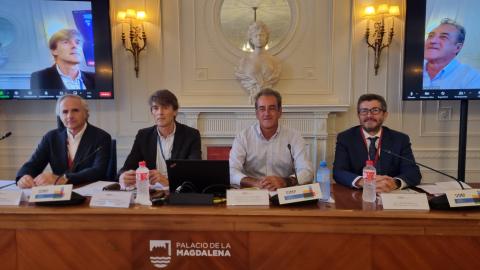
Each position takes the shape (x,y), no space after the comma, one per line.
(377,153)
(161,148)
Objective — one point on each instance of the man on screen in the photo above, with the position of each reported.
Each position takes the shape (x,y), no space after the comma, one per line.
(167,139)
(441,69)
(77,153)
(66,48)
(365,142)
(266,155)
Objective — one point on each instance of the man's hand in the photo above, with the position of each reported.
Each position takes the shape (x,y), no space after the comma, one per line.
(127,179)
(26,181)
(45,178)
(385,183)
(157,177)
(272,182)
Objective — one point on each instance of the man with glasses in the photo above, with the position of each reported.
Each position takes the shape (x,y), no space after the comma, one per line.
(267,155)
(368,142)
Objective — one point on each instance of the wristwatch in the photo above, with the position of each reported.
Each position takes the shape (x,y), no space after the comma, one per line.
(398,183)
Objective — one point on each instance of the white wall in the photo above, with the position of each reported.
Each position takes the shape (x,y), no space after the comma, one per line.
(326,62)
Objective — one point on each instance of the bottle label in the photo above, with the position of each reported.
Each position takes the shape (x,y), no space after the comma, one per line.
(142,176)
(369,175)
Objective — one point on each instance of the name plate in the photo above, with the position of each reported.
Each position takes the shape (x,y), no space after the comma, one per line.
(10,197)
(466,197)
(116,199)
(51,193)
(299,193)
(247,197)
(403,201)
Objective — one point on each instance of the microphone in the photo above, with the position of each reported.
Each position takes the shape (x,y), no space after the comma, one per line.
(75,198)
(6,135)
(293,161)
(422,165)
(439,202)
(80,162)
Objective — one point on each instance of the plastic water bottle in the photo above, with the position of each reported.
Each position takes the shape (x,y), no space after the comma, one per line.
(369,174)
(323,178)
(142,184)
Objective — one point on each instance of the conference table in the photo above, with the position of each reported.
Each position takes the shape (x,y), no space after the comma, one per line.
(347,234)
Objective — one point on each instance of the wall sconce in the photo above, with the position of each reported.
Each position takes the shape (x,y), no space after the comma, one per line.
(376,41)
(137,37)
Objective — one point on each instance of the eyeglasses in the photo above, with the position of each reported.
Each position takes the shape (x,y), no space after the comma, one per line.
(373,111)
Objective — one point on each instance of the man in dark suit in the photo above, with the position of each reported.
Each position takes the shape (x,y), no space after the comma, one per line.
(77,153)
(365,142)
(66,48)
(168,139)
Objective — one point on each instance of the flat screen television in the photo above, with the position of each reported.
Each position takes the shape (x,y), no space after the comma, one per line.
(49,48)
(440,62)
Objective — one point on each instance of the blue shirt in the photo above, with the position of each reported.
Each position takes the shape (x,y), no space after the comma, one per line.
(455,75)
(72,84)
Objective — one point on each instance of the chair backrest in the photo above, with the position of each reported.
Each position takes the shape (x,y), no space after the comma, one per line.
(112,164)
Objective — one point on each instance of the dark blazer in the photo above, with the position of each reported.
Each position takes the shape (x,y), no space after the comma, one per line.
(351,155)
(87,167)
(50,79)
(186,145)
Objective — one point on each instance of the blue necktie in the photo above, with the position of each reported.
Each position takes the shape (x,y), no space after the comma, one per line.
(372,149)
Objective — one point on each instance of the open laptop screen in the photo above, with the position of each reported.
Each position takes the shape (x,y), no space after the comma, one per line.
(199,176)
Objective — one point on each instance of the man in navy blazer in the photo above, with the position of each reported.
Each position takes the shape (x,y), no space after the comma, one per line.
(66,48)
(168,139)
(360,143)
(77,153)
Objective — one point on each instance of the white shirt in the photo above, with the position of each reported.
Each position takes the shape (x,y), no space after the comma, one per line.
(366,135)
(74,141)
(167,145)
(72,84)
(254,156)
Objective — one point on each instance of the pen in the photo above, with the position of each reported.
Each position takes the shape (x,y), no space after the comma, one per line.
(11,184)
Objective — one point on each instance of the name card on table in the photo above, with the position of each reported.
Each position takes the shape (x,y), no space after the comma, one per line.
(299,193)
(466,197)
(116,199)
(404,201)
(51,193)
(247,197)
(10,197)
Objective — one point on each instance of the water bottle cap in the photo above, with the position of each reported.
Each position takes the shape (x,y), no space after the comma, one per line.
(141,164)
(369,162)
(323,164)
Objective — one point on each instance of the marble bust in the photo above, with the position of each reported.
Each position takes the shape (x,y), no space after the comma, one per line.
(258,69)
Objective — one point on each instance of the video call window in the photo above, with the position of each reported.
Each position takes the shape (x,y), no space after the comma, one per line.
(56,49)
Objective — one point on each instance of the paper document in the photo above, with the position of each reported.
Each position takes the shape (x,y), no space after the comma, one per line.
(442,187)
(93,188)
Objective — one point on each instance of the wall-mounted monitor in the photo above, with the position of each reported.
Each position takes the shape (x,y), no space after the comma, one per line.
(442,56)
(49,48)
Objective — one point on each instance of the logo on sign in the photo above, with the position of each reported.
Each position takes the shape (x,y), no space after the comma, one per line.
(159,249)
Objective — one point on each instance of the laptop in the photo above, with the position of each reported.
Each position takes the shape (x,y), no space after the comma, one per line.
(198,176)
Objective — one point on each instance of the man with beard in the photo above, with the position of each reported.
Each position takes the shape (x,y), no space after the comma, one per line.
(364,142)
(167,139)
(66,48)
(441,69)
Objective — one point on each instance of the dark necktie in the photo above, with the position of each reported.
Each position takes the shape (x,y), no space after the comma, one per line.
(372,149)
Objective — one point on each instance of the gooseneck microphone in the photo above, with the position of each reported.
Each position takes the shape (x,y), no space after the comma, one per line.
(293,161)
(422,165)
(80,162)
(6,135)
